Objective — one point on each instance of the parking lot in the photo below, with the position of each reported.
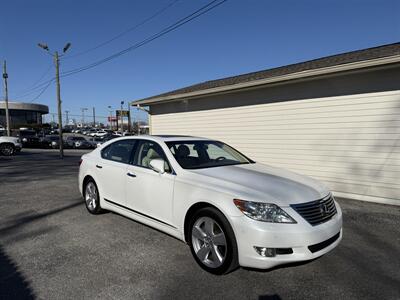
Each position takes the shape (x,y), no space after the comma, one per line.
(51,248)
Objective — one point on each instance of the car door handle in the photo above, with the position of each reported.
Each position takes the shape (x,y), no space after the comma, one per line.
(130,174)
(99,167)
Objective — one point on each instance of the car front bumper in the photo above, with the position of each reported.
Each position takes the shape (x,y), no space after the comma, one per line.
(298,237)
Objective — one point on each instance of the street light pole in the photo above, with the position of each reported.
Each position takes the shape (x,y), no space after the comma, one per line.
(122,118)
(60,133)
(94,117)
(5,76)
(110,110)
(129,118)
(56,58)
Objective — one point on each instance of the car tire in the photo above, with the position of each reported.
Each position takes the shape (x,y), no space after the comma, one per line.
(7,149)
(212,241)
(91,197)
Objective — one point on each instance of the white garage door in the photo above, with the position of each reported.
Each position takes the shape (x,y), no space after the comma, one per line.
(350,142)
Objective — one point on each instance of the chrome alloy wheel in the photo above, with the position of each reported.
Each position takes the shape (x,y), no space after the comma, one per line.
(91,196)
(7,150)
(209,242)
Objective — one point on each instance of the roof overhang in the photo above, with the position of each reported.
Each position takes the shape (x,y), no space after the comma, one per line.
(43,109)
(256,83)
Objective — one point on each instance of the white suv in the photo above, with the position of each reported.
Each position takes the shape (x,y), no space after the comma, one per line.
(9,145)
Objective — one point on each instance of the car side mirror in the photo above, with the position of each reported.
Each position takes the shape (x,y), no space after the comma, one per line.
(158,165)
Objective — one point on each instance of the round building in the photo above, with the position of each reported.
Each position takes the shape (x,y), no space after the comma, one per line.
(22,114)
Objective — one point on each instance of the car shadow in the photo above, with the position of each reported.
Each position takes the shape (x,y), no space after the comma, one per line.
(285,266)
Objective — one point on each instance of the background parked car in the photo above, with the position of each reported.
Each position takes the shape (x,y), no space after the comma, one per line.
(29,138)
(9,145)
(101,133)
(96,141)
(91,132)
(107,138)
(50,141)
(79,142)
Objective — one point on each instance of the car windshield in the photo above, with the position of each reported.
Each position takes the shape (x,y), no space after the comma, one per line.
(27,133)
(205,154)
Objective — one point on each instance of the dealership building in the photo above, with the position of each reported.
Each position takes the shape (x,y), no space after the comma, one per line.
(336,119)
(22,114)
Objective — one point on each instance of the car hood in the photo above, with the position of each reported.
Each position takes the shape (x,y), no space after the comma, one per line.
(10,139)
(259,182)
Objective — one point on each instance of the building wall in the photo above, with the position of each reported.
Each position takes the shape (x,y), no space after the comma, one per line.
(349,142)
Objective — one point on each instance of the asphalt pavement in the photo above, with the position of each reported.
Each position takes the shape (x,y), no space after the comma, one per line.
(51,248)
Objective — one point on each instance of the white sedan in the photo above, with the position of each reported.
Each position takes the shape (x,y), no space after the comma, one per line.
(231,210)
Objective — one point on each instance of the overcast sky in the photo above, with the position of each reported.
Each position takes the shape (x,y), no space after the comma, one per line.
(234,38)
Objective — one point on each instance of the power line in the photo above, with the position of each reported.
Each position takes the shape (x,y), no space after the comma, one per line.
(156,14)
(35,89)
(42,91)
(42,76)
(199,12)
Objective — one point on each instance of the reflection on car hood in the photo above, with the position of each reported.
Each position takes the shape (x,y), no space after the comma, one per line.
(271,184)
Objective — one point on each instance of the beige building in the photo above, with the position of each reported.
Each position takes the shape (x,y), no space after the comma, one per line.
(336,119)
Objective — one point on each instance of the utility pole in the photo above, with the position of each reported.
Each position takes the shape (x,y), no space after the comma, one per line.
(5,76)
(122,118)
(60,133)
(94,117)
(129,118)
(66,117)
(110,110)
(56,58)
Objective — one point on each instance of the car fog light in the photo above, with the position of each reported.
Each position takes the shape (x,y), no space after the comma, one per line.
(266,252)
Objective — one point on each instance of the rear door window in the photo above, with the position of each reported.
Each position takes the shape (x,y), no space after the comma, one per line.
(120,151)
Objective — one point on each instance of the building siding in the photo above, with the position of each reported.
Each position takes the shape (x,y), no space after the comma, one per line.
(349,142)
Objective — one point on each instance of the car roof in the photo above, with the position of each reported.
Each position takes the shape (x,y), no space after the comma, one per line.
(166,138)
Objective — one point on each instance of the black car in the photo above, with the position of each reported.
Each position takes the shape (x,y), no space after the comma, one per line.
(78,142)
(29,139)
(110,137)
(50,141)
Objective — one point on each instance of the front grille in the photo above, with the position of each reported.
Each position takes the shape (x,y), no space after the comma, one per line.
(316,212)
(324,244)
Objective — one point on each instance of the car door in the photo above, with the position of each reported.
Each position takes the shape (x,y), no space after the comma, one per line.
(148,192)
(111,170)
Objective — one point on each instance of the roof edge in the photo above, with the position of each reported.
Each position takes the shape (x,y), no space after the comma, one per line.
(254,83)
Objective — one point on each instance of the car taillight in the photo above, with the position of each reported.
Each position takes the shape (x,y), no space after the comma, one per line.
(80,161)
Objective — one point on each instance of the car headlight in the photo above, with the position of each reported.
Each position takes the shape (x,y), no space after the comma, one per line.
(265,212)
(25,140)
